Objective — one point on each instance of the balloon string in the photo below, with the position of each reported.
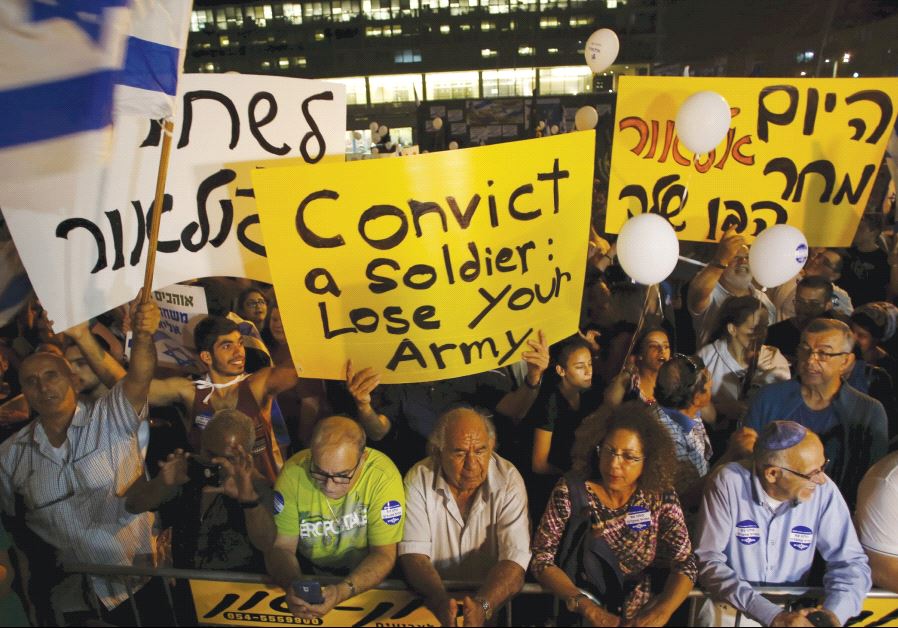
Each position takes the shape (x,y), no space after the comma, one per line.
(639,325)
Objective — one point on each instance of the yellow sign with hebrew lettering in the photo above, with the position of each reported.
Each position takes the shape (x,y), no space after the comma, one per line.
(803,152)
(431,267)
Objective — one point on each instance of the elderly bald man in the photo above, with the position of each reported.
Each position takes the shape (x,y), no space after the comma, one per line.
(340,505)
(467,520)
(761,522)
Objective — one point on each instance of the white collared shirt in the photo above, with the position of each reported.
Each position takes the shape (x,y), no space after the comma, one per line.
(497,527)
(74,494)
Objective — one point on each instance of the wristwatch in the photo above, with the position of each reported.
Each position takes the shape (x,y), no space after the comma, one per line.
(486,606)
(573,603)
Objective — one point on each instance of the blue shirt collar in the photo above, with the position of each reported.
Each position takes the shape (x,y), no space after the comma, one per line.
(686,423)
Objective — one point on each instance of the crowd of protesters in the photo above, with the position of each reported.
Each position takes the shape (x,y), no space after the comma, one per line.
(702,433)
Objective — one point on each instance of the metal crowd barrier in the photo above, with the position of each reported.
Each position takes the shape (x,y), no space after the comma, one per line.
(782,595)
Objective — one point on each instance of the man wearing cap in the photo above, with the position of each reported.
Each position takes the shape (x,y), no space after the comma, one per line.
(852,425)
(761,521)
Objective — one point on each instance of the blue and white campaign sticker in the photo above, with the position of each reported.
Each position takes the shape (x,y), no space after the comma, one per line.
(801,537)
(202,420)
(391,513)
(278,503)
(748,532)
(801,253)
(638,518)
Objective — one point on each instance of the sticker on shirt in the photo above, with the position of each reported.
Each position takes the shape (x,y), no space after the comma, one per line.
(801,538)
(748,532)
(202,420)
(638,518)
(278,503)
(391,513)
(801,253)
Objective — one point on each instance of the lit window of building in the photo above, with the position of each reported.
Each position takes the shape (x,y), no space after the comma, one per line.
(565,80)
(266,65)
(355,89)
(283,63)
(464,27)
(488,53)
(299,62)
(319,35)
(444,29)
(446,85)
(583,20)
(199,20)
(407,56)
(508,82)
(395,88)
(487,26)
(549,22)
(526,51)
(293,13)
(552,51)
(224,41)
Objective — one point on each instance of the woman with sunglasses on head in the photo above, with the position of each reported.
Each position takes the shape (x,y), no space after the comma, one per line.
(613,543)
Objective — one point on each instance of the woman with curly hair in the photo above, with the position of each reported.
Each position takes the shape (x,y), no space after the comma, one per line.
(613,530)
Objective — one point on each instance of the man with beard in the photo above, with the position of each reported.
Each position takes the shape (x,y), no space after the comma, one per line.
(227,386)
(726,275)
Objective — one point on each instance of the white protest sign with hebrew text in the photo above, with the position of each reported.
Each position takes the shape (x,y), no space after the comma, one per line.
(83,235)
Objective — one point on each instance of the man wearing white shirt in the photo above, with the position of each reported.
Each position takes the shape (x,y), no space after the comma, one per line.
(466,520)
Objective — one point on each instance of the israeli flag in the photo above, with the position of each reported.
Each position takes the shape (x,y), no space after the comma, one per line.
(155,56)
(59,60)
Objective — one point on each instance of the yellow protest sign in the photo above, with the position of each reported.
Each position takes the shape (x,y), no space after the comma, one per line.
(803,152)
(878,612)
(431,267)
(243,604)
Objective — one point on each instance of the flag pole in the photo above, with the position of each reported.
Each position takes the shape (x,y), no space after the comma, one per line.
(167,131)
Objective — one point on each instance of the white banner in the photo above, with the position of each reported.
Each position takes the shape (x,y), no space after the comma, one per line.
(182,307)
(82,235)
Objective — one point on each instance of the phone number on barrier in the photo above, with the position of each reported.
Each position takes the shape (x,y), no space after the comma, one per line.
(273,619)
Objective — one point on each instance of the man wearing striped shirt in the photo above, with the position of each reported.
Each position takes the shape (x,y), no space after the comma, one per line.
(65,474)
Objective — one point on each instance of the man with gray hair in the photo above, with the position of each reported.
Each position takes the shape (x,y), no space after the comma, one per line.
(339,510)
(218,506)
(761,521)
(467,520)
(852,426)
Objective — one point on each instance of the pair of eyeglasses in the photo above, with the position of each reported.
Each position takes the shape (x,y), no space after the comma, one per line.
(805,352)
(812,476)
(344,477)
(255,303)
(625,456)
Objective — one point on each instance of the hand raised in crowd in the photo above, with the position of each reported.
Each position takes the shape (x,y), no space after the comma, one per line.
(173,470)
(729,247)
(537,359)
(591,336)
(619,385)
(237,480)
(79,331)
(301,608)
(145,317)
(361,385)
(787,618)
(444,608)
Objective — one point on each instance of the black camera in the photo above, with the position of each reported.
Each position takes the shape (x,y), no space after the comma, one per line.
(205,473)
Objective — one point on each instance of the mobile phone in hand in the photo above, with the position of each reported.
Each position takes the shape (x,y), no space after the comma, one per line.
(308,591)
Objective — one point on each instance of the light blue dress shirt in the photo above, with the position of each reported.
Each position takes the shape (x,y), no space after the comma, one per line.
(743,542)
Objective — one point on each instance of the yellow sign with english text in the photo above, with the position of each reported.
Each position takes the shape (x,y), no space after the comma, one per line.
(431,267)
(803,152)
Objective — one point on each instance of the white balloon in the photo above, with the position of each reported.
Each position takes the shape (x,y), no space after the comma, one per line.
(703,121)
(373,126)
(647,248)
(601,50)
(586,118)
(554,129)
(376,138)
(453,145)
(438,123)
(777,255)
(356,135)
(383,130)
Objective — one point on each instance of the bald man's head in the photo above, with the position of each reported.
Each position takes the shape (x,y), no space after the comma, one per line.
(48,384)
(337,451)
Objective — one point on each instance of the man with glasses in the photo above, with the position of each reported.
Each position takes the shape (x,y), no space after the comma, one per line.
(339,509)
(726,275)
(852,425)
(813,299)
(824,263)
(762,521)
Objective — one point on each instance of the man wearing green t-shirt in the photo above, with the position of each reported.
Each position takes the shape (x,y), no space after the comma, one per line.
(340,506)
